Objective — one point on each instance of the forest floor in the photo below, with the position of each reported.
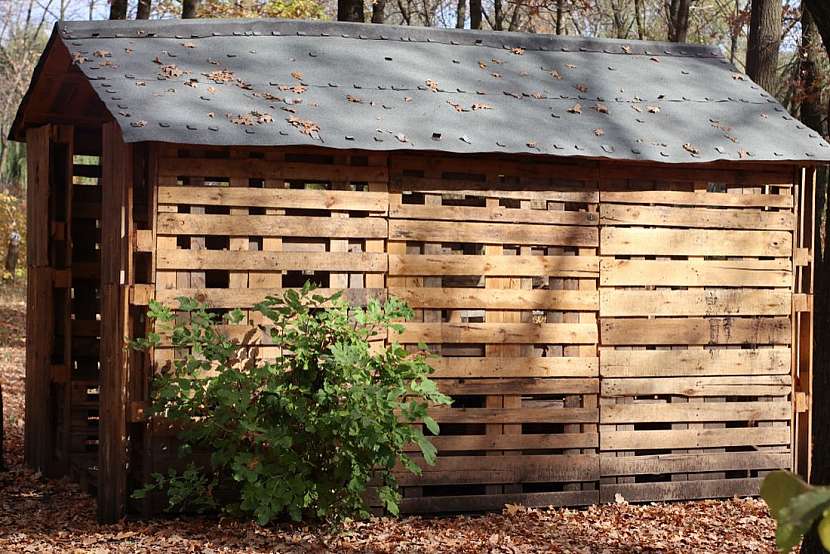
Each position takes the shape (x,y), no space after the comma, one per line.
(42,515)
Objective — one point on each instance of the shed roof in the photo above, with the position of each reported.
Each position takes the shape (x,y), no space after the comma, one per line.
(378,87)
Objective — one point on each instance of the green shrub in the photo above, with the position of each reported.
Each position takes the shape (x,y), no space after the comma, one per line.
(796,506)
(307,433)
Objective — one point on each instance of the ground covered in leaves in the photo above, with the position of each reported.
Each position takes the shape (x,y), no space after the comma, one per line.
(40,515)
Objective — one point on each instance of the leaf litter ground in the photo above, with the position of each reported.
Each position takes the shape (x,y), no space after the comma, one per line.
(42,515)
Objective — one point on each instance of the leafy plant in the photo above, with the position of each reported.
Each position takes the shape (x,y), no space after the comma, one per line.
(796,506)
(303,434)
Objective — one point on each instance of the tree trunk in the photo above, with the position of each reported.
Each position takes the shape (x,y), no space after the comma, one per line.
(118,9)
(820,10)
(638,15)
(461,14)
(143,9)
(498,15)
(559,16)
(189,9)
(678,20)
(764,41)
(350,10)
(811,109)
(475,14)
(379,11)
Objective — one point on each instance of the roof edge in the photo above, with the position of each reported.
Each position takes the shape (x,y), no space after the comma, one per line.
(17,128)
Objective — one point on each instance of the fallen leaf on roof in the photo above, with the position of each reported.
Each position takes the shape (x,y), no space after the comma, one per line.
(636,108)
(518,51)
(576,108)
(102,53)
(211,89)
(192,83)
(599,131)
(158,60)
(626,49)
(556,75)
(743,154)
(139,123)
(354,99)
(220,76)
(496,60)
(250,118)
(601,107)
(432,85)
(170,71)
(581,87)
(653,109)
(140,83)
(407,99)
(475,107)
(481,64)
(78,58)
(297,75)
(570,66)
(188,45)
(456,106)
(531,144)
(128,51)
(538,95)
(691,149)
(305,126)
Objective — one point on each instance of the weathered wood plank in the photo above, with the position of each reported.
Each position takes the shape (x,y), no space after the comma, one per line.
(679,198)
(519,386)
(693,242)
(633,331)
(715,361)
(696,302)
(258,168)
(492,214)
(492,233)
(501,266)
(473,367)
(497,333)
(694,438)
(459,443)
(696,273)
(466,503)
(509,299)
(246,298)
(276,198)
(270,226)
(270,261)
(693,462)
(698,412)
(681,490)
(743,385)
(665,216)
(514,415)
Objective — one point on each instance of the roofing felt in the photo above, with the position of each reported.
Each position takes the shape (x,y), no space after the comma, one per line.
(379,87)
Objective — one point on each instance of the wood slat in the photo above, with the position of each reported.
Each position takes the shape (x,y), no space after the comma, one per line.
(502,266)
(497,333)
(491,214)
(696,273)
(492,233)
(679,198)
(498,298)
(693,242)
(693,462)
(681,490)
(246,298)
(258,168)
(270,226)
(697,302)
(665,216)
(715,361)
(460,443)
(519,386)
(743,385)
(697,412)
(376,202)
(269,261)
(514,367)
(695,331)
(514,415)
(695,438)
(467,503)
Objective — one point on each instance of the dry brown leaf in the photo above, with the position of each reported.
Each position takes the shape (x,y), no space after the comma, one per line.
(431,85)
(581,87)
(576,108)
(570,66)
(601,107)
(653,109)
(298,75)
(518,51)
(691,149)
(188,44)
(354,99)
(480,106)
(305,126)
(481,64)
(556,75)
(599,131)
(102,53)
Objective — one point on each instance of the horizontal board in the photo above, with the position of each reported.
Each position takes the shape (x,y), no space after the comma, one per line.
(498,333)
(749,331)
(743,385)
(246,298)
(630,241)
(665,216)
(240,197)
(458,470)
(695,302)
(696,412)
(484,502)
(692,463)
(515,415)
(519,386)
(495,214)
(462,443)
(492,233)
(514,367)
(681,490)
(711,361)
(508,299)
(679,198)
(696,273)
(258,168)
(494,266)
(270,261)
(271,226)
(695,438)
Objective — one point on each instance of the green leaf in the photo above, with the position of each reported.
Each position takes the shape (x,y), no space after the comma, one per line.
(779,487)
(432,425)
(796,518)
(824,530)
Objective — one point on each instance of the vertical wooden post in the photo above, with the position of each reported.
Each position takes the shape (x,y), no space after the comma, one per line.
(115,251)
(38,447)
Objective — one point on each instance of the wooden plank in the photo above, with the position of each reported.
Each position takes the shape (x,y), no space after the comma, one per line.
(709,411)
(696,273)
(694,438)
(491,233)
(246,298)
(509,299)
(460,443)
(515,415)
(519,386)
(631,331)
(693,242)
(693,462)
(715,361)
(490,169)
(270,261)
(681,490)
(504,266)
(277,198)
(679,198)
(743,385)
(514,367)
(696,302)
(481,502)
(257,168)
(492,214)
(497,333)
(270,226)
(697,217)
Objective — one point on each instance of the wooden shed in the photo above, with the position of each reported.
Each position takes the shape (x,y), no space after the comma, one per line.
(609,243)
